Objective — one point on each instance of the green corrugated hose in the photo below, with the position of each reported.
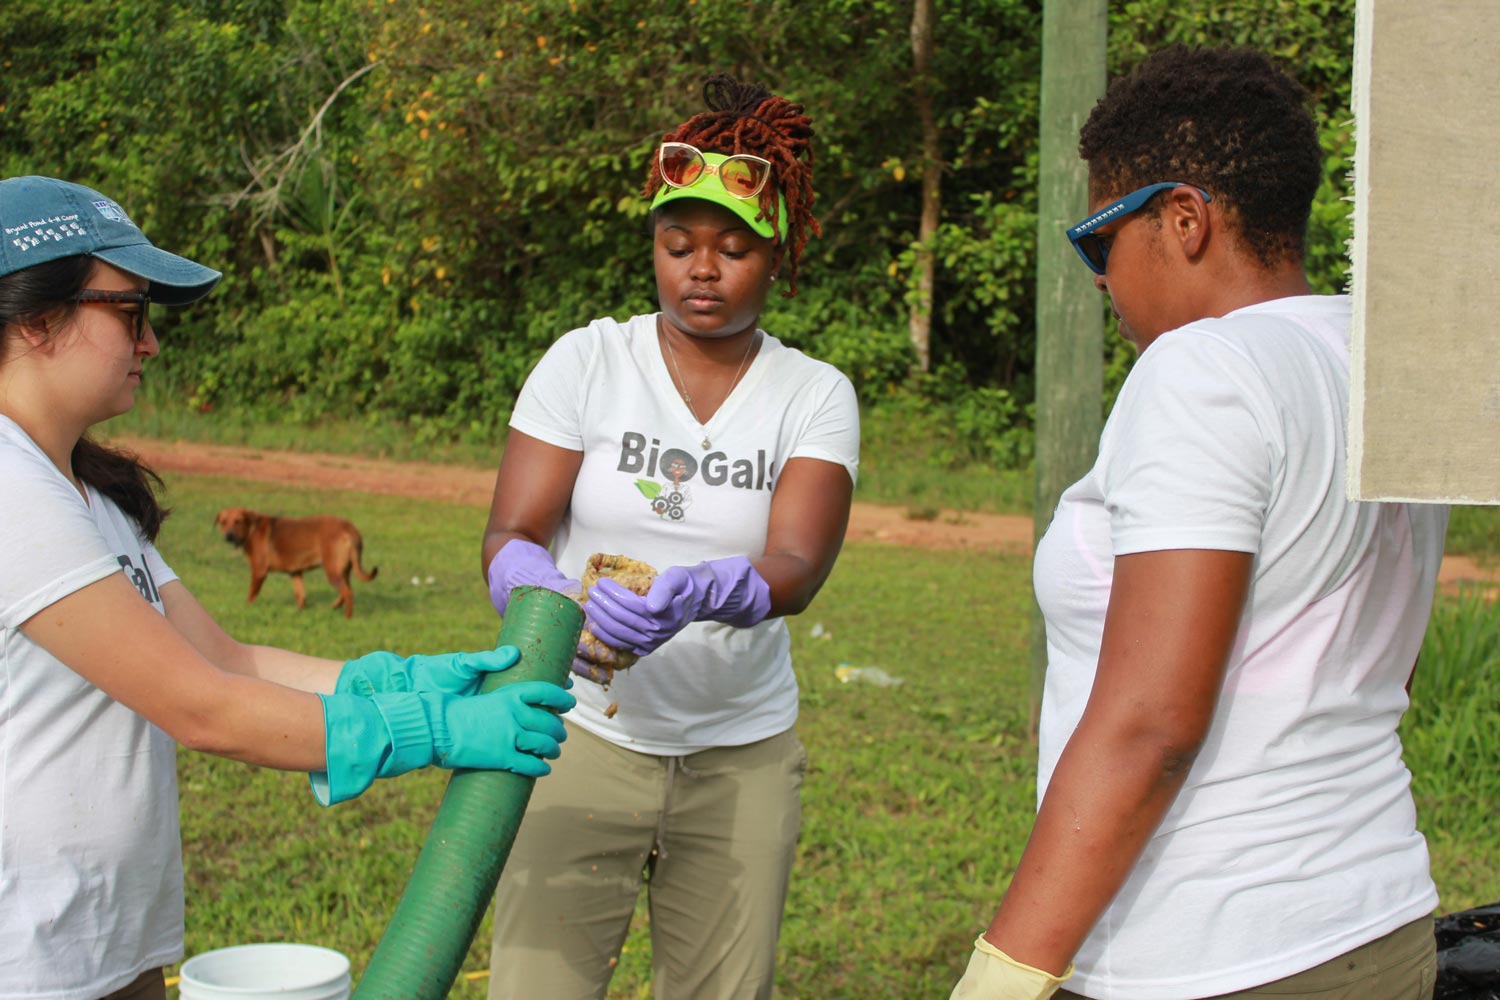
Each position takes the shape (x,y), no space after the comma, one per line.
(423,947)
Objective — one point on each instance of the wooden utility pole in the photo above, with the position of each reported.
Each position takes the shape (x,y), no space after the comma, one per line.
(1069,314)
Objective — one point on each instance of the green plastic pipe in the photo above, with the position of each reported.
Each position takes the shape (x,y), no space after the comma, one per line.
(423,948)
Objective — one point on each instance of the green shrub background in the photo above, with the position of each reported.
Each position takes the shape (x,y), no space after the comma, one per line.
(411,201)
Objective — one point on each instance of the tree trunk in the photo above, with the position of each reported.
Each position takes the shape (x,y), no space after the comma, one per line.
(920,323)
(1069,314)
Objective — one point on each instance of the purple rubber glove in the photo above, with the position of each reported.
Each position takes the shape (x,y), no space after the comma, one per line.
(721,590)
(602,676)
(520,563)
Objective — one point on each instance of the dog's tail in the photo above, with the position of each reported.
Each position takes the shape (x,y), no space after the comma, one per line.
(359,550)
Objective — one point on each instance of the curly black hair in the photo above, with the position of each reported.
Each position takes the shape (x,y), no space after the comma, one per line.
(1223,119)
(748,118)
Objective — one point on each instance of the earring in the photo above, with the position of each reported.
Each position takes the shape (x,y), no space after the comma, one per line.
(774,277)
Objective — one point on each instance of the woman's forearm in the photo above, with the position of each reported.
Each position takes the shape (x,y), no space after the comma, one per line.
(280,666)
(1171,623)
(284,667)
(1107,795)
(168,670)
(256,722)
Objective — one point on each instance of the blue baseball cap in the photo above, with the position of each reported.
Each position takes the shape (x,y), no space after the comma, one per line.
(43,219)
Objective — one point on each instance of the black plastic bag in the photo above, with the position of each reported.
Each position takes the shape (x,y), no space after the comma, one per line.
(1468,953)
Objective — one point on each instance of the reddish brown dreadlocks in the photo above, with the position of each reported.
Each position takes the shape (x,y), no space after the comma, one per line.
(748,118)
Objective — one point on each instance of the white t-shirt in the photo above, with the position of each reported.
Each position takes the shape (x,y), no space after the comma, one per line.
(90,850)
(1294,838)
(648,489)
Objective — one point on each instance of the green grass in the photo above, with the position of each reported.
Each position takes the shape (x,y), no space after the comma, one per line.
(913,460)
(916,806)
(374,437)
(1475,531)
(1451,747)
(900,778)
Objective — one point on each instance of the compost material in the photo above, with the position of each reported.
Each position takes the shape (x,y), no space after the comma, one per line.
(633,575)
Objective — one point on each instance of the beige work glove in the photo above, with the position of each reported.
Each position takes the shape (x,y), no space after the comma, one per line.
(994,975)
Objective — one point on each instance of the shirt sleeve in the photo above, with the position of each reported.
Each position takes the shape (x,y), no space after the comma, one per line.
(50,543)
(1188,458)
(832,431)
(549,407)
(160,571)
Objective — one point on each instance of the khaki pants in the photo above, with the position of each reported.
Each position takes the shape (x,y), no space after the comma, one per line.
(1400,966)
(711,835)
(149,985)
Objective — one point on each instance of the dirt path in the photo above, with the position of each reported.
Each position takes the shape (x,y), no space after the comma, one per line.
(474,486)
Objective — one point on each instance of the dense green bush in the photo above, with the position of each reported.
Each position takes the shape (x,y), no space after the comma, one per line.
(410,202)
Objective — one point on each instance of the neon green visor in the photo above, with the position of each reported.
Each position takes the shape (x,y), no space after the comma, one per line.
(736,182)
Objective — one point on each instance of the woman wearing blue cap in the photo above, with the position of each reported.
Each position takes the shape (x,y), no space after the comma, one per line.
(106,659)
(696,442)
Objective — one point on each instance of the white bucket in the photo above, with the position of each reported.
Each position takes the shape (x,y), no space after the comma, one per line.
(266,972)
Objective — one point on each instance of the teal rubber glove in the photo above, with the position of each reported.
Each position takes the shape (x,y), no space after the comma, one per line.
(383,735)
(448,673)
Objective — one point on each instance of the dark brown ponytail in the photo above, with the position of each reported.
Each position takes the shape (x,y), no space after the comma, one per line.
(123,478)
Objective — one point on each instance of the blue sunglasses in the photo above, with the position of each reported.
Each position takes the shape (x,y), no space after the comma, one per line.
(1093,248)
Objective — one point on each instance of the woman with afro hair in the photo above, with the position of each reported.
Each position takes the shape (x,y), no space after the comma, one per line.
(1223,806)
(693,441)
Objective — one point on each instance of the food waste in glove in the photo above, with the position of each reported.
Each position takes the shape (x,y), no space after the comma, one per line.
(601,660)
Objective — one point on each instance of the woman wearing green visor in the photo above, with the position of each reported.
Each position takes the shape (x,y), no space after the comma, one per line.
(692,440)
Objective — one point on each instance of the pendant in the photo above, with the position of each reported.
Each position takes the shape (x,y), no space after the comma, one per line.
(705,444)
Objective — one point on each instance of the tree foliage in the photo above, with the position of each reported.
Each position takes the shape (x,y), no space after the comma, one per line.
(411,201)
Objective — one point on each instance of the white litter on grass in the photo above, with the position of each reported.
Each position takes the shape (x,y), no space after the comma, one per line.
(870,675)
(819,632)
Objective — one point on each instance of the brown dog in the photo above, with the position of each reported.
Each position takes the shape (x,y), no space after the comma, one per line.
(293,544)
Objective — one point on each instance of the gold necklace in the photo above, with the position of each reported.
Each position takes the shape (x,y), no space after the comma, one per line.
(681,385)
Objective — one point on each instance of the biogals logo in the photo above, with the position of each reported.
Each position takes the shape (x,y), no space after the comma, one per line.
(668,473)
